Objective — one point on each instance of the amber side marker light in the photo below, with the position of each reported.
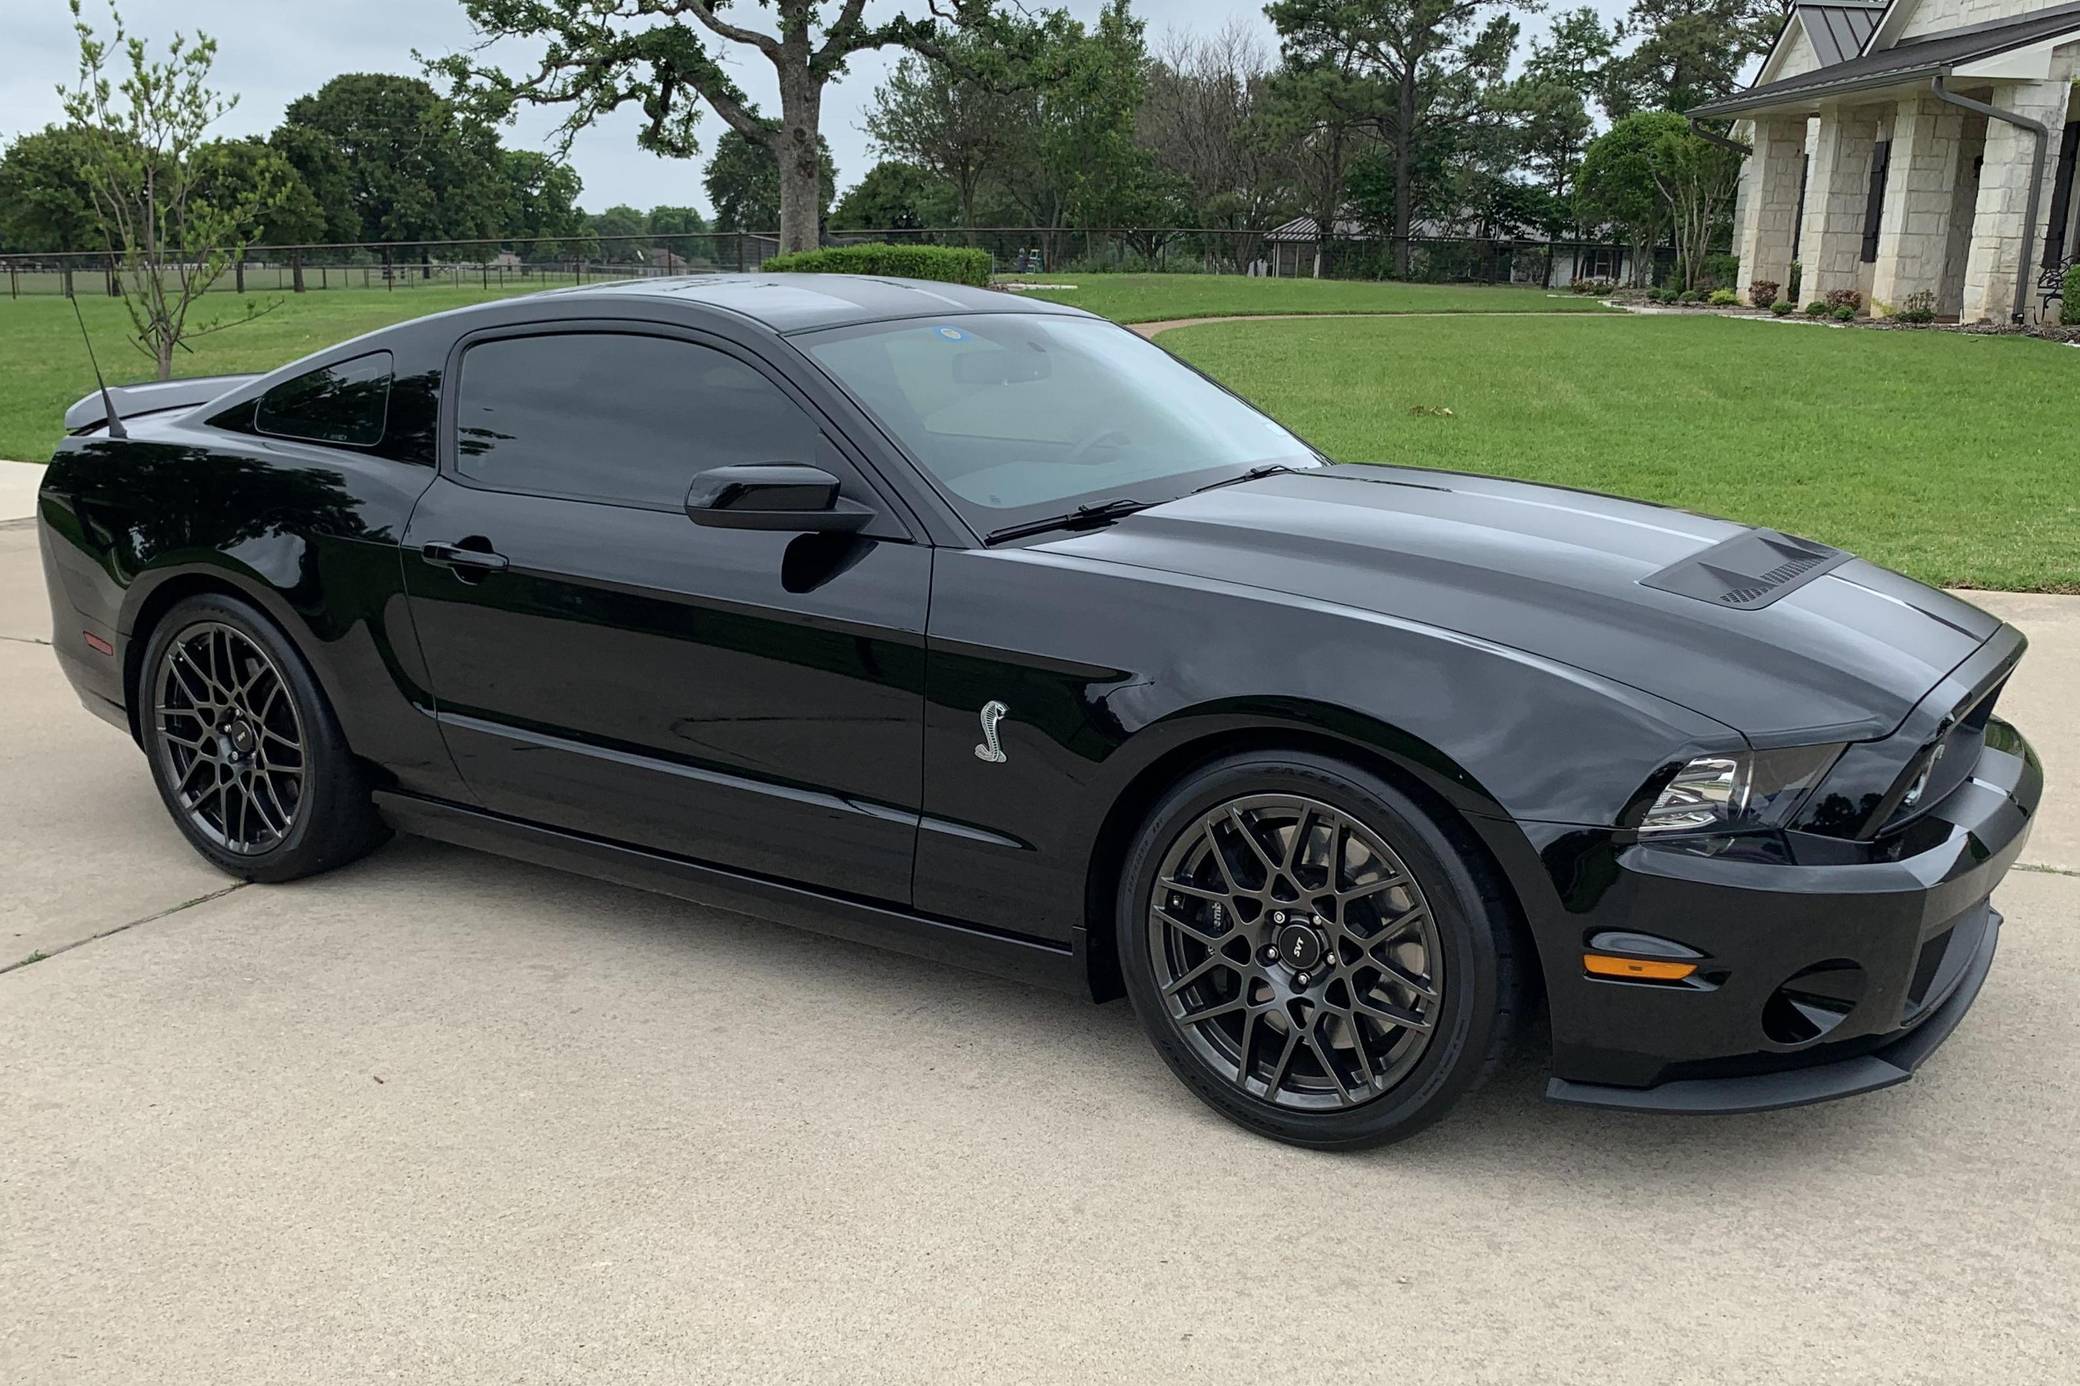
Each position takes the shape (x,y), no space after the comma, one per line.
(1642,969)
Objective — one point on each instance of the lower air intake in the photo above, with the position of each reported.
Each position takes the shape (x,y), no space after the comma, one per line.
(1749,570)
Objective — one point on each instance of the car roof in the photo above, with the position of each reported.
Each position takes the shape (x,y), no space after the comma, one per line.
(803,302)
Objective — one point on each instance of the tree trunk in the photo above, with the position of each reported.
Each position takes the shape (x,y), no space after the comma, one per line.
(801,170)
(1404,167)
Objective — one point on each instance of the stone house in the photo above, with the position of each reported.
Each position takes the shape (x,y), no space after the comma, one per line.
(1921,146)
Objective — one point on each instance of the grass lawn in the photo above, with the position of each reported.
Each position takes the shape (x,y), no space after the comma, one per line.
(43,367)
(1157,297)
(1949,458)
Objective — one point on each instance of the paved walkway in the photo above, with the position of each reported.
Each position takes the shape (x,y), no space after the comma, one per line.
(18,483)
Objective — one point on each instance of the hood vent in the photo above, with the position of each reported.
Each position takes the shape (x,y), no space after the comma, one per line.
(1749,570)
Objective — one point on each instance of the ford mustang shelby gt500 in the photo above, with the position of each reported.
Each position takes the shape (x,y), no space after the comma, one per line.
(983,629)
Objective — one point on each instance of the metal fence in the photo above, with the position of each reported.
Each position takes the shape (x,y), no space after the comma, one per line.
(520,264)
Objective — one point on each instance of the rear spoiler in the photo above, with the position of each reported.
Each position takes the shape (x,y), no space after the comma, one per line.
(150,398)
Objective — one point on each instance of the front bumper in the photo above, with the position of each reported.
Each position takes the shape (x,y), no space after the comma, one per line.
(1815,981)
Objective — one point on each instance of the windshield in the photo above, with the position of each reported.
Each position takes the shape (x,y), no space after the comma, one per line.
(1016,416)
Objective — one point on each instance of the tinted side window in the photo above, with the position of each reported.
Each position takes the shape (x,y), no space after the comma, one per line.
(343,403)
(616,417)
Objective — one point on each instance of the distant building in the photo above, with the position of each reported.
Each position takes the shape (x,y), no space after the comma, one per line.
(1296,250)
(1877,165)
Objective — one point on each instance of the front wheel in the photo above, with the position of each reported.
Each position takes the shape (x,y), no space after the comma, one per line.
(245,750)
(1312,953)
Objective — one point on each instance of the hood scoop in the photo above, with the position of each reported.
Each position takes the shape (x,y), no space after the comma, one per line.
(1748,571)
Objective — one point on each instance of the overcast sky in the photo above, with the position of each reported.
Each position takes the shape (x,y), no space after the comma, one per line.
(272,51)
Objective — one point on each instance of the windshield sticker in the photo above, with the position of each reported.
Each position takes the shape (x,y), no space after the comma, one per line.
(953,334)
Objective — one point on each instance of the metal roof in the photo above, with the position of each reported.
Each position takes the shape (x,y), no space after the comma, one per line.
(1924,57)
(1838,31)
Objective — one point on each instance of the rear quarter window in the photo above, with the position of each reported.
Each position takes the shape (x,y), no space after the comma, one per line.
(345,403)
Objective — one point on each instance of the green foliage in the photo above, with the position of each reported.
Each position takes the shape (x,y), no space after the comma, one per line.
(390,160)
(743,184)
(1852,299)
(1919,309)
(1818,308)
(2069,304)
(682,231)
(1844,314)
(1690,296)
(896,195)
(1689,52)
(541,200)
(251,177)
(952,264)
(1782,308)
(1791,289)
(1725,298)
(939,117)
(145,129)
(46,192)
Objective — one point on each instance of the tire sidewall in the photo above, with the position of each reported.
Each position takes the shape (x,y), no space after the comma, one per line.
(304,849)
(1457,1054)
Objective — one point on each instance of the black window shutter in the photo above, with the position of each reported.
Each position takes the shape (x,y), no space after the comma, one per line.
(2062,196)
(1798,225)
(1874,209)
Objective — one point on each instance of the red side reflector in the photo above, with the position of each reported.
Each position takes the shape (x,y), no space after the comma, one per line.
(97,644)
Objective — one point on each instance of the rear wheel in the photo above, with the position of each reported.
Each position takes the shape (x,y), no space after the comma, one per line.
(1312,953)
(244,748)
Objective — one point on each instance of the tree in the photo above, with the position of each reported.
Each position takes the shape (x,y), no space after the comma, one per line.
(1615,189)
(744,186)
(1402,48)
(1696,180)
(661,54)
(682,232)
(46,191)
(541,204)
(1689,52)
(895,195)
(143,129)
(251,175)
(1574,53)
(407,164)
(940,117)
(1208,120)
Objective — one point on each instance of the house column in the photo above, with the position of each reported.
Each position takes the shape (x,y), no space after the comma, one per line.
(1998,230)
(1831,243)
(1765,225)
(1914,224)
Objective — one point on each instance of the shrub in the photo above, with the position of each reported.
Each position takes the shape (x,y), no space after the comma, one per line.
(1690,296)
(1725,298)
(1919,308)
(2069,306)
(1593,286)
(1791,289)
(1782,308)
(1722,271)
(1845,314)
(1763,292)
(953,264)
(1852,299)
(1817,308)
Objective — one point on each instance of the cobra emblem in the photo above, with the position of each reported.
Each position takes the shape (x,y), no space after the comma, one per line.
(992,713)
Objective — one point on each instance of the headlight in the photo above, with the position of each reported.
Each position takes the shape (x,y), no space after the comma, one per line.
(1738,791)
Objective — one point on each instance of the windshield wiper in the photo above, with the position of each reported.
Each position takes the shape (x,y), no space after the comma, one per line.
(1254,473)
(1082,517)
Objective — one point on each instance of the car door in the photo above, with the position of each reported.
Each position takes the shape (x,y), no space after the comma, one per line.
(746,698)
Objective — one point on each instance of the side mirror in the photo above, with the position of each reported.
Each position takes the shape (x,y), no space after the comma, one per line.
(790,496)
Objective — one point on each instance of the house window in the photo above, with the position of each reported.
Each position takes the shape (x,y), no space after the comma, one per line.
(1874,208)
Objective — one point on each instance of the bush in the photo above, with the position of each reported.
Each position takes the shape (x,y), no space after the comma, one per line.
(2069,306)
(1919,308)
(1791,289)
(1845,314)
(1852,299)
(952,264)
(1781,308)
(1763,292)
(1722,271)
(1593,286)
(1690,296)
(1817,308)
(1725,298)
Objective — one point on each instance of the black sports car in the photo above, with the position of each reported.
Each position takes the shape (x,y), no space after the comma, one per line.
(983,629)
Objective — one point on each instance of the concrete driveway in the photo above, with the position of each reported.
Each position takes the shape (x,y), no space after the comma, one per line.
(441,1117)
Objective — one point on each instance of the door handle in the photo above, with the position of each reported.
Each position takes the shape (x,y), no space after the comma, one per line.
(464,555)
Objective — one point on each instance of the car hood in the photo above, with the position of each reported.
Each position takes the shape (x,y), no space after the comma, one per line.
(1560,574)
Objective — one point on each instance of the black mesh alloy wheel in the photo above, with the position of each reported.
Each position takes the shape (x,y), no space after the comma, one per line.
(1312,953)
(244,748)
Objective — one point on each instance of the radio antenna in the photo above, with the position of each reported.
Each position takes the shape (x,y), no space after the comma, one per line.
(115,422)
